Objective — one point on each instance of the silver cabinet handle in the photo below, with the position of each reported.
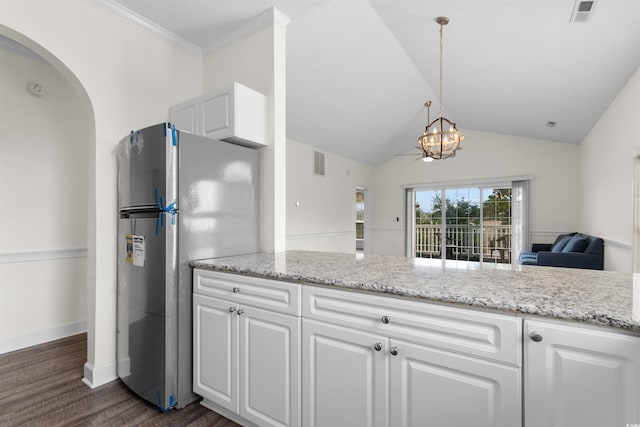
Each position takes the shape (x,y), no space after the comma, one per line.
(240,312)
(232,309)
(385,319)
(236,290)
(394,351)
(535,337)
(377,346)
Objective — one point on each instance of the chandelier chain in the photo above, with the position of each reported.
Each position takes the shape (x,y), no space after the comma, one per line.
(437,142)
(441,56)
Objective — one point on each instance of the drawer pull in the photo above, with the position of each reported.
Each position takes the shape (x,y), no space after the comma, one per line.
(385,319)
(377,346)
(240,312)
(394,351)
(236,290)
(535,337)
(232,309)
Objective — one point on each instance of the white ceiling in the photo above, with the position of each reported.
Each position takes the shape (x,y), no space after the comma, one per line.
(359,71)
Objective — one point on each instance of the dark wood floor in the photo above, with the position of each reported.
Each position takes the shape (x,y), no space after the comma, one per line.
(42,386)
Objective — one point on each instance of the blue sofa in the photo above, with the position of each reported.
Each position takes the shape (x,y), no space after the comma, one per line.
(573,250)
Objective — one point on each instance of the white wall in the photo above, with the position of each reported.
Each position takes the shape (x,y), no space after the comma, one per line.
(554,193)
(321,209)
(607,175)
(127,78)
(43,194)
(258,61)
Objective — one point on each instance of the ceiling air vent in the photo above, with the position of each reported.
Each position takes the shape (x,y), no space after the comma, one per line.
(318,163)
(582,11)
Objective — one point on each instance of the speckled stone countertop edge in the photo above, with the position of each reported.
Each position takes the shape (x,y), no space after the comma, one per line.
(595,317)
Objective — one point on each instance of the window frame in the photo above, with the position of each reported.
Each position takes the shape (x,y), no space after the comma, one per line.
(519,226)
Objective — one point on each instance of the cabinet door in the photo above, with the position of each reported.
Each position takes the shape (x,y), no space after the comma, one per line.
(580,377)
(186,116)
(217,114)
(431,387)
(215,351)
(344,377)
(269,367)
(235,113)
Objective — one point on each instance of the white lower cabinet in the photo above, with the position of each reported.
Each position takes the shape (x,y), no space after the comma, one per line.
(247,359)
(431,387)
(215,352)
(270,353)
(580,376)
(358,373)
(344,376)
(269,368)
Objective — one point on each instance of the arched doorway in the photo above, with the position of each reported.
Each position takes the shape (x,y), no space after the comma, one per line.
(48,139)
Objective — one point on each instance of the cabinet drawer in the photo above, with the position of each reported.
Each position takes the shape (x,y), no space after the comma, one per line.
(281,297)
(487,335)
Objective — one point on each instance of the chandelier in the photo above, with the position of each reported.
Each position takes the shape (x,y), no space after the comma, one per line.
(441,138)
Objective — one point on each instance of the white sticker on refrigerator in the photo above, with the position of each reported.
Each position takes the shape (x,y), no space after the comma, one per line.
(135,250)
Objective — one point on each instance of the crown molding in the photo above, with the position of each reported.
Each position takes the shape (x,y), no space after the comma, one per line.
(269,18)
(150,26)
(280,18)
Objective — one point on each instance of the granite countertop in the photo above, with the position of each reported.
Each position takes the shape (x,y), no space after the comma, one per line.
(598,297)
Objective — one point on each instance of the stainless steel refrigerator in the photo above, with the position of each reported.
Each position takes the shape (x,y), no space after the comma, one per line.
(181,197)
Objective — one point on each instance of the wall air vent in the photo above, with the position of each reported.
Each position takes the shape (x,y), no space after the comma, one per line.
(318,163)
(582,11)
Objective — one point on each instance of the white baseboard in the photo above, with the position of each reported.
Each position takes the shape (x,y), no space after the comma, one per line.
(42,336)
(95,376)
(124,367)
(620,246)
(225,412)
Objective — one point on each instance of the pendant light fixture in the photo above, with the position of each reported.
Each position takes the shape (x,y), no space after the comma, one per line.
(441,138)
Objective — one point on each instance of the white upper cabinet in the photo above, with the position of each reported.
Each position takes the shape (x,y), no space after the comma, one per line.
(233,113)
(186,116)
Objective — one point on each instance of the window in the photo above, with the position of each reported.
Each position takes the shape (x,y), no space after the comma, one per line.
(359,220)
(467,223)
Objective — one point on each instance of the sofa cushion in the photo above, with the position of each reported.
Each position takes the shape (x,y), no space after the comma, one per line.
(576,244)
(528,258)
(529,261)
(596,246)
(560,243)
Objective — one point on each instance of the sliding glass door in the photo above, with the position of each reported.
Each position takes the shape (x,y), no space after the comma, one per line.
(497,209)
(427,230)
(463,224)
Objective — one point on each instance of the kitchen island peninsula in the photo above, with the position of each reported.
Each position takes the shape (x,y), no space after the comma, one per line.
(314,339)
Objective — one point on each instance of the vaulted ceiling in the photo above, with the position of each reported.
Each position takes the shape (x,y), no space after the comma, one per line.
(360,71)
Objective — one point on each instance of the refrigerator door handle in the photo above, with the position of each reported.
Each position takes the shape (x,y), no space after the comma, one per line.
(140,212)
